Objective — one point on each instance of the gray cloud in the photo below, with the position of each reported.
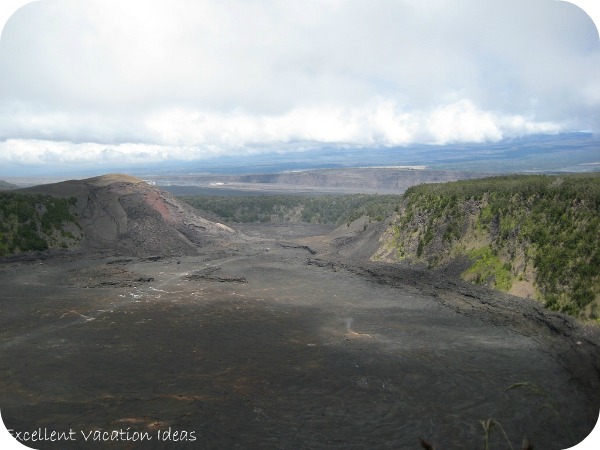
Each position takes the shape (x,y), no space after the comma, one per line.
(218,76)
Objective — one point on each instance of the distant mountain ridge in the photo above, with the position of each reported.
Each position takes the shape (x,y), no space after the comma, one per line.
(566,152)
(124,215)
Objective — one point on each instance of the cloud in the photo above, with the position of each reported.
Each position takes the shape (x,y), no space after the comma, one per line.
(201,77)
(186,135)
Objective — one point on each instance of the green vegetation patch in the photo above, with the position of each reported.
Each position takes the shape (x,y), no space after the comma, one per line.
(325,209)
(489,268)
(28,220)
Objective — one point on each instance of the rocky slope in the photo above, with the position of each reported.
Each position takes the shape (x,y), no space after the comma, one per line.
(125,215)
(531,236)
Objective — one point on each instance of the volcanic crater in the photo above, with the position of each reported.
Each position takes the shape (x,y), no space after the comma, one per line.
(281,337)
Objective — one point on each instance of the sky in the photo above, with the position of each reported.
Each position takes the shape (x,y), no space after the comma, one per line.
(133,82)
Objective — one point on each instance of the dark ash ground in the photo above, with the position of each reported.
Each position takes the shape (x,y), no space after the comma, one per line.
(263,345)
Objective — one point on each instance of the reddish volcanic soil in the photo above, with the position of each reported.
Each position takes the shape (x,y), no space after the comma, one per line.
(264,345)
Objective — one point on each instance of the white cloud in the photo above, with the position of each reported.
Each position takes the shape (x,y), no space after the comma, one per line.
(381,123)
(206,77)
(189,135)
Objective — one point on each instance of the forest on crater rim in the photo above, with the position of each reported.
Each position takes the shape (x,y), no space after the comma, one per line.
(530,235)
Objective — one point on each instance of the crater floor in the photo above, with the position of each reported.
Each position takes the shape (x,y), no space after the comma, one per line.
(278,347)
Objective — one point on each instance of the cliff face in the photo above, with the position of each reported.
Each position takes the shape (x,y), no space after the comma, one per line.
(531,236)
(122,214)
